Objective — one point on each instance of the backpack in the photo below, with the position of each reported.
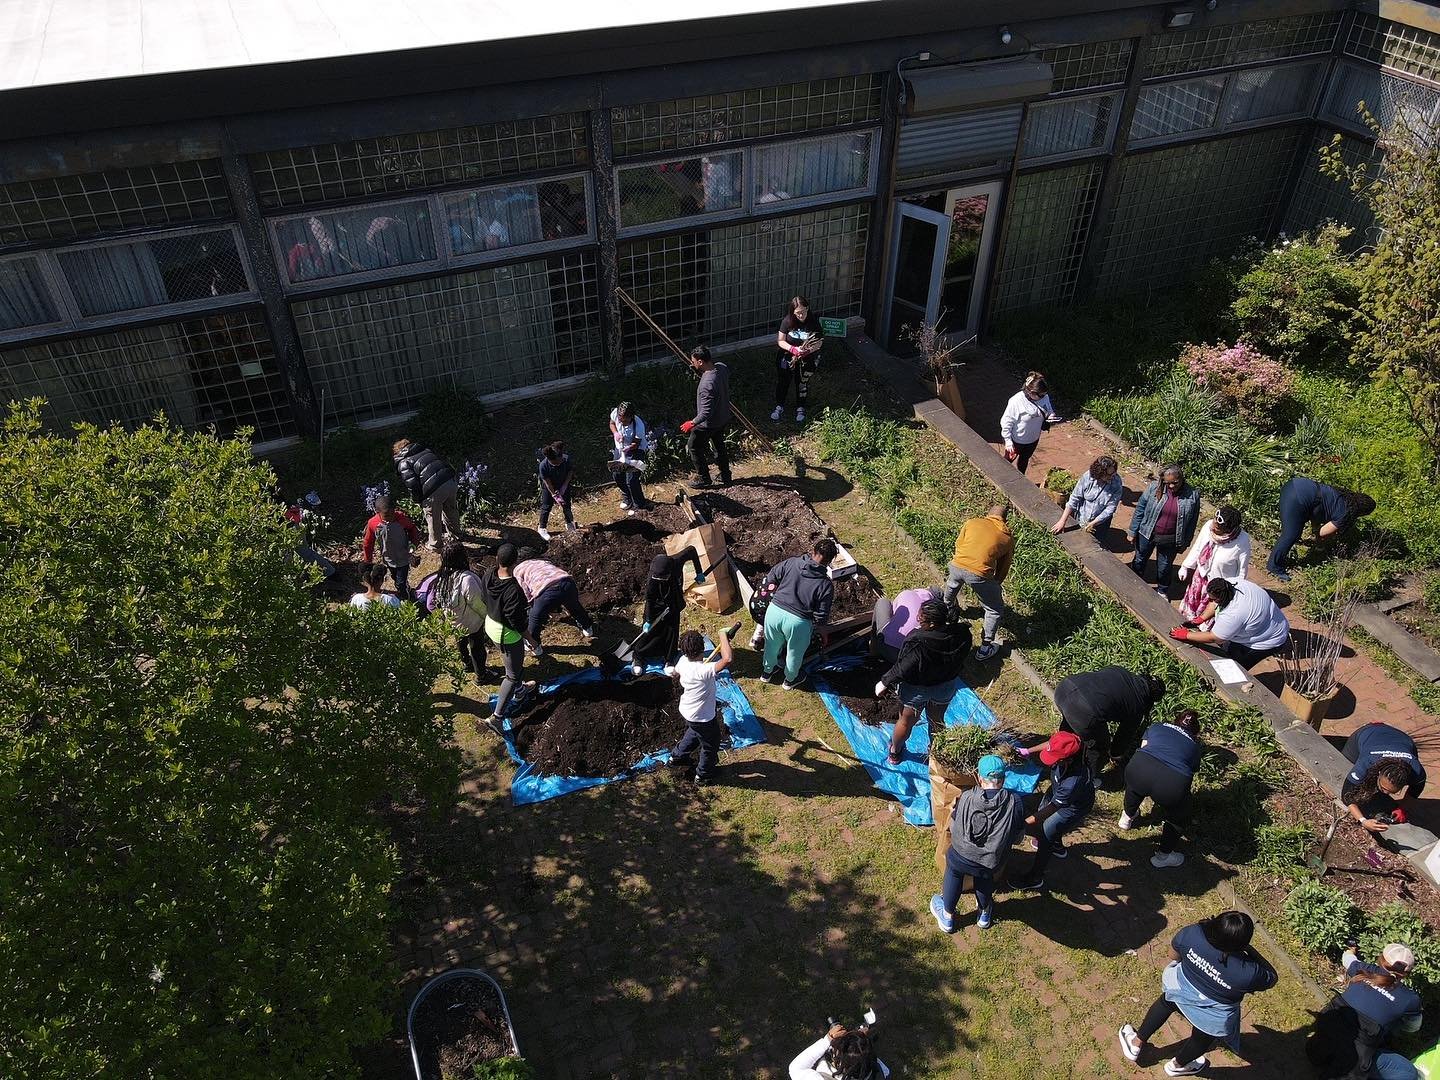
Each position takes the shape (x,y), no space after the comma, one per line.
(425,593)
(1343,1044)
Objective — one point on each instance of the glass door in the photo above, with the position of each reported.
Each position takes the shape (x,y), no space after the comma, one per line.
(967,257)
(916,262)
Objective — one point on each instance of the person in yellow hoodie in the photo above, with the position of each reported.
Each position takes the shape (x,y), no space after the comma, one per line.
(983,553)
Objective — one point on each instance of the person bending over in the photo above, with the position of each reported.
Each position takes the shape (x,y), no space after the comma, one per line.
(664,604)
(1387,771)
(1248,626)
(926,674)
(800,596)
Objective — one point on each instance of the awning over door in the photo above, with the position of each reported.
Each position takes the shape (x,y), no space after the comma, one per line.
(951,87)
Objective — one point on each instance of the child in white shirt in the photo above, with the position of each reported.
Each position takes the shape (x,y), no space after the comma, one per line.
(697,703)
(372,579)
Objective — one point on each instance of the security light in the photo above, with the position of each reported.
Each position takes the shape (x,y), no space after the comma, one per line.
(1179,18)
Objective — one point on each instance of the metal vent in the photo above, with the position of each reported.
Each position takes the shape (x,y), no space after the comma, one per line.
(959,142)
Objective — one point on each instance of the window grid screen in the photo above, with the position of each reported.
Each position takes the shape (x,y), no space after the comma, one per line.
(1070,126)
(25,298)
(218,370)
(1245,43)
(1318,198)
(1050,216)
(674,190)
(1176,208)
(1081,67)
(106,279)
(377,351)
(659,126)
(332,172)
(1175,108)
(1404,48)
(66,207)
(1388,98)
(733,282)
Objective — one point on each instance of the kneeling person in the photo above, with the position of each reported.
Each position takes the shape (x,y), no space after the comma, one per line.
(697,703)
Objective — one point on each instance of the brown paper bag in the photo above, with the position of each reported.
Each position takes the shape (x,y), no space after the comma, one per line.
(945,790)
(719,591)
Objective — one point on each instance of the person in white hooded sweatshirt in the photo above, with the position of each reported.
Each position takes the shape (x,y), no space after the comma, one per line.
(1025,416)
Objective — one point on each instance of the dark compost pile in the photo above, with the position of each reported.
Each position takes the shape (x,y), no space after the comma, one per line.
(610,563)
(599,728)
(460,1024)
(856,688)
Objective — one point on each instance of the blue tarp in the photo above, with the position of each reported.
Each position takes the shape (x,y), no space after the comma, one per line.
(529,786)
(909,781)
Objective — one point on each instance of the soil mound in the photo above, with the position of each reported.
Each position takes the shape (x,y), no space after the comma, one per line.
(610,563)
(764,523)
(854,595)
(599,729)
(856,688)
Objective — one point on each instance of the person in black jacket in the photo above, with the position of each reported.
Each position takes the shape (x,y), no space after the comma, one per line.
(712,416)
(431,482)
(1091,701)
(664,604)
(507,620)
(926,673)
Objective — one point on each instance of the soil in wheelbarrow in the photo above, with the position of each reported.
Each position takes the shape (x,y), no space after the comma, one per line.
(599,728)
(856,688)
(460,1024)
(610,563)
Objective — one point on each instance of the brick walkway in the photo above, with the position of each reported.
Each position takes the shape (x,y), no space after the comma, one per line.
(1367,692)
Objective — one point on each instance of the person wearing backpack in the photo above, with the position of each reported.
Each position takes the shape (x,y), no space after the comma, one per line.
(1351,1033)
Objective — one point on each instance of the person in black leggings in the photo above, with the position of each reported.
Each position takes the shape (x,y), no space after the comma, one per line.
(1163,770)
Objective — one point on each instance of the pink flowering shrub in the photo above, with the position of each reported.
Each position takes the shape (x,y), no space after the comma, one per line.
(1242,377)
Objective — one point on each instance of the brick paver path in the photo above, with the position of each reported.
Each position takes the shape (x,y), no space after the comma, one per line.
(1367,691)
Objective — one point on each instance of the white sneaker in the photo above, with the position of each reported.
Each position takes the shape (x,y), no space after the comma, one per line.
(624,505)
(799,416)
(588,633)
(1174,1068)
(631,512)
(637,668)
(1126,821)
(1164,861)
(1130,1044)
(544,533)
(987,650)
(779,412)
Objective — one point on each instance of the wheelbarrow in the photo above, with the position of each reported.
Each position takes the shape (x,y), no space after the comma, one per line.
(424,1045)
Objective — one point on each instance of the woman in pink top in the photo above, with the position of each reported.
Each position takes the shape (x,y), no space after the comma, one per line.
(547,587)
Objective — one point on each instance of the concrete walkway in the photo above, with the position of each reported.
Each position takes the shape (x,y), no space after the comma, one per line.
(1367,692)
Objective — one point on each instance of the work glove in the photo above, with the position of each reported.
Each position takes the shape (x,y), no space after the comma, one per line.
(699,579)
(1190,624)
(1023,751)
(1180,634)
(880,689)
(645,629)
(1182,573)
(688,426)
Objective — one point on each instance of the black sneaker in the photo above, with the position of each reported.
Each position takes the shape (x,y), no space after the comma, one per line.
(1028,885)
(1059,851)
(725,481)
(770,676)
(788,685)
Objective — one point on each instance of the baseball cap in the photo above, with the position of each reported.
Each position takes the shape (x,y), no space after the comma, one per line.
(1398,958)
(990,766)
(1062,744)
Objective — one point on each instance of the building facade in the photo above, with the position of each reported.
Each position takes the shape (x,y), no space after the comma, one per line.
(296,250)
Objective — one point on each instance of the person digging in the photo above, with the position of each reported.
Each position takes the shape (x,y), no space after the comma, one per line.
(800,594)
(703,726)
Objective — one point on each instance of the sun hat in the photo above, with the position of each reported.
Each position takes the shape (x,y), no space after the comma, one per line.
(1062,745)
(1398,958)
(990,766)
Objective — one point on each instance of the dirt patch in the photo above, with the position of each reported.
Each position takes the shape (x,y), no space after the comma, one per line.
(599,728)
(856,688)
(460,1024)
(854,595)
(764,523)
(610,563)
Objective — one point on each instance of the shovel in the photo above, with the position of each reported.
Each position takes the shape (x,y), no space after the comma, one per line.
(1316,862)
(624,653)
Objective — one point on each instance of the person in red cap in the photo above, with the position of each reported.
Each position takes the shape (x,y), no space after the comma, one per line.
(1071,795)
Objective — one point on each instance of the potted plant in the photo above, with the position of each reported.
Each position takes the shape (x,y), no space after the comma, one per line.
(955,752)
(1059,483)
(937,361)
(1309,661)
(459,1028)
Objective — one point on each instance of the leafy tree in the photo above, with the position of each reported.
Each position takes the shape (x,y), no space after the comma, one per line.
(193,876)
(1400,279)
(1297,300)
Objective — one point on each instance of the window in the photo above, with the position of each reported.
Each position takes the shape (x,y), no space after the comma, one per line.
(1084,67)
(1176,108)
(25,298)
(1255,95)
(784,172)
(492,219)
(337,243)
(1405,48)
(1386,97)
(1242,43)
(133,275)
(1265,93)
(1071,126)
(1050,216)
(681,188)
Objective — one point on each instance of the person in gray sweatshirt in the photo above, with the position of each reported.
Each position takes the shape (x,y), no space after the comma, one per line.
(986,822)
(712,417)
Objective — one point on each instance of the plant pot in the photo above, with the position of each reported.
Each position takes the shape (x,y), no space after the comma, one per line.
(949,393)
(421,1026)
(799,463)
(1310,710)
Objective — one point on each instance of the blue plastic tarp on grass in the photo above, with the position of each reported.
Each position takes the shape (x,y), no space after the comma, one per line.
(530,786)
(909,782)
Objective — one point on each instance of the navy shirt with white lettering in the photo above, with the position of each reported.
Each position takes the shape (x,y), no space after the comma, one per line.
(1172,746)
(1071,785)
(1217,976)
(1387,1006)
(1381,742)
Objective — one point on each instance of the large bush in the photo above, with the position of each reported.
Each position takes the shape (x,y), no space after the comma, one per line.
(1297,300)
(193,879)
(1242,378)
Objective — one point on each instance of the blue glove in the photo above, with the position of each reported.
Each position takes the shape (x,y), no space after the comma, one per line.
(699,579)
(645,629)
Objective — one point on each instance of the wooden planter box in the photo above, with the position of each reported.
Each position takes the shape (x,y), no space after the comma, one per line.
(1312,712)
(949,393)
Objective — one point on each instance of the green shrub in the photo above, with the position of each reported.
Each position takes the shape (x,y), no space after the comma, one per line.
(1430,591)
(1396,921)
(1281,849)
(1061,481)
(1323,917)
(1297,302)
(505,1068)
(451,422)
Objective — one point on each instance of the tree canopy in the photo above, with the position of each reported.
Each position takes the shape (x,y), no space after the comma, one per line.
(194,874)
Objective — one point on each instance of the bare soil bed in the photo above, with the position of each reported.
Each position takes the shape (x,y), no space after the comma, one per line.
(763,522)
(599,728)
(610,563)
(856,688)
(460,1024)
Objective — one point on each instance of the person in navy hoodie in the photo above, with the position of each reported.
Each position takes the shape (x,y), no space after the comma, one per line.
(1071,795)
(1387,771)
(1212,967)
(1351,1034)
(1330,509)
(1163,770)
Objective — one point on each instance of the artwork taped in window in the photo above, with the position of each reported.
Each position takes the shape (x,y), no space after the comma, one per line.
(799,170)
(24,297)
(496,218)
(143,274)
(673,190)
(337,243)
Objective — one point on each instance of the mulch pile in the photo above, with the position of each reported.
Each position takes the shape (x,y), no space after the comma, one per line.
(610,563)
(856,688)
(459,1025)
(599,729)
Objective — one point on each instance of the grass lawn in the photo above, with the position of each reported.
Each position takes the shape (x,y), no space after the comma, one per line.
(648,929)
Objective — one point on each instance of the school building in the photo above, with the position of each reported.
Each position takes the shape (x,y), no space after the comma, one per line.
(293,215)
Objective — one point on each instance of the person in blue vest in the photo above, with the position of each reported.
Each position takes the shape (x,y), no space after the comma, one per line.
(1387,771)
(1351,1033)
(1163,769)
(1211,969)
(1071,795)
(1330,509)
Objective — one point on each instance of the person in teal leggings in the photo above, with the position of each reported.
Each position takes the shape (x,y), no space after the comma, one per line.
(800,596)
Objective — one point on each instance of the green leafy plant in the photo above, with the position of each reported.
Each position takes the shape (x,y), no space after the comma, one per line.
(1060,481)
(505,1068)
(1322,917)
(1297,301)
(961,747)
(195,748)
(1281,848)
(1397,922)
